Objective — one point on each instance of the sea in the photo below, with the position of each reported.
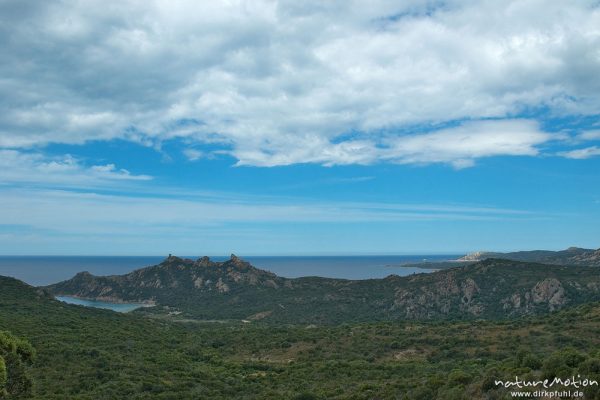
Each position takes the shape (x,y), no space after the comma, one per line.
(45,270)
(118,307)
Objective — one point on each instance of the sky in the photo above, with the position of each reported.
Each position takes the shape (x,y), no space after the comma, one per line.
(298,127)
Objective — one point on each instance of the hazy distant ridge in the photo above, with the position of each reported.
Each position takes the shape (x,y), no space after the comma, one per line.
(570,256)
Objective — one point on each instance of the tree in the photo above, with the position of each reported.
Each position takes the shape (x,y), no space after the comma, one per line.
(3,376)
(15,356)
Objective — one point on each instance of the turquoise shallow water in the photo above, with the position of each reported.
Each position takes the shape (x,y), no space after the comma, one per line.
(119,307)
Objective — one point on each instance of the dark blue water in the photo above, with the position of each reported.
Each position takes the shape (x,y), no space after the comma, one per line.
(44,270)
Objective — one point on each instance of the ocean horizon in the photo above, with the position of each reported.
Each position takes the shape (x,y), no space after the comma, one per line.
(45,270)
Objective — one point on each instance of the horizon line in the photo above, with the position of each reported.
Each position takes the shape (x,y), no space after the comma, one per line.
(350,254)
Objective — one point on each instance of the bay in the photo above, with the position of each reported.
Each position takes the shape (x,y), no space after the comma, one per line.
(119,307)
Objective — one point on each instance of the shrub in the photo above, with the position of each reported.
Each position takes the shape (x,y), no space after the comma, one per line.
(459,377)
(15,355)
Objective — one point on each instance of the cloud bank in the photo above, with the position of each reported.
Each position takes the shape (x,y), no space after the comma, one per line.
(35,168)
(77,213)
(282,82)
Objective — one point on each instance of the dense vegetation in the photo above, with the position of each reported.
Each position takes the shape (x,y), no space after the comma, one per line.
(235,290)
(15,356)
(87,353)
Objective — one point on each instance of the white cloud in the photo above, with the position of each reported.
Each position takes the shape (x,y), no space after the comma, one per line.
(20,167)
(193,154)
(589,135)
(69,212)
(581,154)
(460,146)
(280,82)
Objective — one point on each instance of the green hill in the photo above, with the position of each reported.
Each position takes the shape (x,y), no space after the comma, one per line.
(235,290)
(85,353)
(571,256)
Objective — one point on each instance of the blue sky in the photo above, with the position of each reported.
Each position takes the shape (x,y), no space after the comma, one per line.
(298,128)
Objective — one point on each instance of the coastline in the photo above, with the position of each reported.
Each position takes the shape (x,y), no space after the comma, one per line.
(112,304)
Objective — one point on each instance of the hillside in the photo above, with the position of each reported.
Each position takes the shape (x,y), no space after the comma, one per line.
(235,290)
(85,353)
(570,256)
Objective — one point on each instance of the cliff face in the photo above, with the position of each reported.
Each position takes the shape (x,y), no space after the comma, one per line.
(495,288)
(234,289)
(591,257)
(570,256)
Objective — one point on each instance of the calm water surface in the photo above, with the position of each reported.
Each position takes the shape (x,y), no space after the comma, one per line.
(44,270)
(119,307)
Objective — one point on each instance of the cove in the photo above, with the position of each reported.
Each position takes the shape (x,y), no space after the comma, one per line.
(119,307)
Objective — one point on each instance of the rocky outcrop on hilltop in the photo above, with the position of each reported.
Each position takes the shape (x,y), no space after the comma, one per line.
(549,292)
(177,276)
(445,294)
(494,288)
(591,257)
(234,289)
